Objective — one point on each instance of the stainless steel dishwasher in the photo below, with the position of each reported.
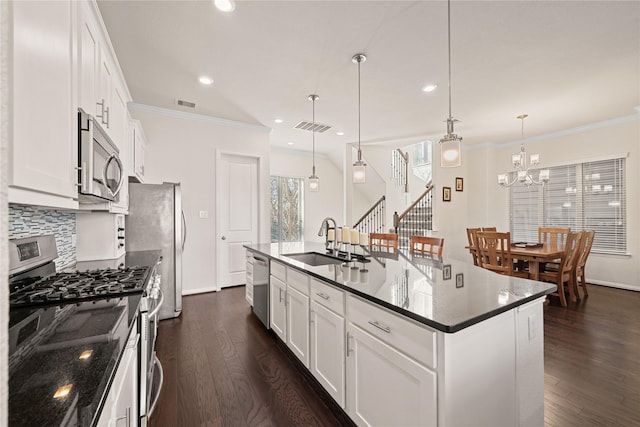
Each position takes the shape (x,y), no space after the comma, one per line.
(260,283)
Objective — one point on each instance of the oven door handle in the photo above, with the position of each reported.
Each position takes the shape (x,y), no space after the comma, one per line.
(156,362)
(160,302)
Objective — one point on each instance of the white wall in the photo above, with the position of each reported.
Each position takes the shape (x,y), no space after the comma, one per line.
(4,203)
(182,148)
(328,202)
(484,203)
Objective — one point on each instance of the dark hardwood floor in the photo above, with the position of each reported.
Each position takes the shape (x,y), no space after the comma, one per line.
(222,368)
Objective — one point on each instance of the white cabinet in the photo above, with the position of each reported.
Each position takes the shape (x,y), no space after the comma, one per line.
(121,404)
(42,123)
(327,350)
(277,307)
(248,287)
(102,91)
(289,308)
(385,387)
(138,144)
(298,324)
(389,380)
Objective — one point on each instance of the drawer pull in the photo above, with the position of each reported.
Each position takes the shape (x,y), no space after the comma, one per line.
(380,326)
(322,295)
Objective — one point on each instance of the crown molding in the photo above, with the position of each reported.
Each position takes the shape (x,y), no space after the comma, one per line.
(193,116)
(560,133)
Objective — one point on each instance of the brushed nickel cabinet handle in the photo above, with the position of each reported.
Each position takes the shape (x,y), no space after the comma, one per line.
(380,326)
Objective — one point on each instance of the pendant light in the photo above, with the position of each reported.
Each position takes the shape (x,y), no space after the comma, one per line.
(450,155)
(359,172)
(314,181)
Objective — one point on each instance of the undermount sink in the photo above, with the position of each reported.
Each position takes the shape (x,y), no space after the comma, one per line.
(314,258)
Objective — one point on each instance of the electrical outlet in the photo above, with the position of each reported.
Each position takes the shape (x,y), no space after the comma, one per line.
(204,214)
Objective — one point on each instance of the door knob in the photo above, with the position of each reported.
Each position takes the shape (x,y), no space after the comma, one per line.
(224,237)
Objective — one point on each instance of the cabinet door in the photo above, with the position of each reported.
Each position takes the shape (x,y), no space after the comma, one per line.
(138,153)
(125,401)
(88,60)
(277,307)
(298,324)
(384,386)
(327,350)
(43,123)
(105,89)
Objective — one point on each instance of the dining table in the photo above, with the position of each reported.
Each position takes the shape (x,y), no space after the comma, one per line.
(536,255)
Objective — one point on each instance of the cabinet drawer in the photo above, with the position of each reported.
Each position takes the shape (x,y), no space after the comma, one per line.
(405,335)
(298,281)
(279,270)
(327,296)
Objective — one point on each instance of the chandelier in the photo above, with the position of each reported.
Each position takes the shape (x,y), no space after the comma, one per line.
(519,163)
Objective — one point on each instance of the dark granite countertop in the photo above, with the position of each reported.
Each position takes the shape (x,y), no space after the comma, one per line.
(445,294)
(77,345)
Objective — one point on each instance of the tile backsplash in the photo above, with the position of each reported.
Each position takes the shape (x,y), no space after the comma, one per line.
(29,221)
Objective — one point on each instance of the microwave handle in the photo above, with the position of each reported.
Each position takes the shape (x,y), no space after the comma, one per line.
(104,174)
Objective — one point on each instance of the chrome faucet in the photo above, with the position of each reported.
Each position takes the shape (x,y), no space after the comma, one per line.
(324,229)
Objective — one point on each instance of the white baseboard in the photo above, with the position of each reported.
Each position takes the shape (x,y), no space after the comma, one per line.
(615,285)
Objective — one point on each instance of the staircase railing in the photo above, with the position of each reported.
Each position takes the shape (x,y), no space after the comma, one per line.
(373,220)
(400,169)
(416,219)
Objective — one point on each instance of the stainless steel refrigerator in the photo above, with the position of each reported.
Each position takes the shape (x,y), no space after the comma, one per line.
(156,221)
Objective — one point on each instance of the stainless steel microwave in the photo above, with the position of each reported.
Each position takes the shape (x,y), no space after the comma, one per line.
(100,171)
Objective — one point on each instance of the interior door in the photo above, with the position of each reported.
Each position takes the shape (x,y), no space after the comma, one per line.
(237,210)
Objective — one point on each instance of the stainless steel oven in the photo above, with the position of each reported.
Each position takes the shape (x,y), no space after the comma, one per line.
(100,171)
(151,373)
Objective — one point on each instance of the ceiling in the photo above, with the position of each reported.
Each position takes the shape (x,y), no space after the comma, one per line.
(565,63)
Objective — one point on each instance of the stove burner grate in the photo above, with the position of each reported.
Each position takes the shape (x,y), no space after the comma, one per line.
(78,286)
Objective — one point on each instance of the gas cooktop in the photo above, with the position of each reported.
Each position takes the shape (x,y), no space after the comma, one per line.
(77,286)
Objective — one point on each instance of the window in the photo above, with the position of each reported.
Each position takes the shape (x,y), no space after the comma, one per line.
(286,209)
(583,196)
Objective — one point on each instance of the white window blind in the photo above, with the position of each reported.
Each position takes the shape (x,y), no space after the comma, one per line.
(583,196)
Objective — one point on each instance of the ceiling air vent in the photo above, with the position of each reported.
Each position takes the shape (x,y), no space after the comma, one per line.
(318,127)
(186,103)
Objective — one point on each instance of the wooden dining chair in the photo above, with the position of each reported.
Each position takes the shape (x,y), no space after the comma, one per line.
(384,240)
(582,261)
(494,253)
(566,272)
(489,229)
(427,245)
(553,236)
(473,246)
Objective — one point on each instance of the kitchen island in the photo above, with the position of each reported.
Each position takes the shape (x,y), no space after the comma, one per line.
(398,339)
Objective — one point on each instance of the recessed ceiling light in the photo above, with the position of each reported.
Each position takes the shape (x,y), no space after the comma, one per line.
(278,120)
(289,143)
(205,80)
(225,5)
(429,88)
(339,133)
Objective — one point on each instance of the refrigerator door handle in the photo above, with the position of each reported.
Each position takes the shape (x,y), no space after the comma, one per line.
(184,230)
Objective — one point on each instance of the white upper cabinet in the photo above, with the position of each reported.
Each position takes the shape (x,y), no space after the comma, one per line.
(42,126)
(102,90)
(137,146)
(60,59)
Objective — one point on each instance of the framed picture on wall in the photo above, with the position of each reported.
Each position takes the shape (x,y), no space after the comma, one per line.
(459,184)
(446,272)
(446,194)
(459,280)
